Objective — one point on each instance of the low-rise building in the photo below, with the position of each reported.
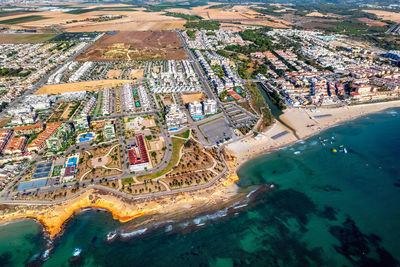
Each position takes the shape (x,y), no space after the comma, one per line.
(138,157)
(175,117)
(209,107)
(109,130)
(59,137)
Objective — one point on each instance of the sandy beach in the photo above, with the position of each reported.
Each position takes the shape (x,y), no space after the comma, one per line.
(305,123)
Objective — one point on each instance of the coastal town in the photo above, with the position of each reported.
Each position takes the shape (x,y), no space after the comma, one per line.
(149,114)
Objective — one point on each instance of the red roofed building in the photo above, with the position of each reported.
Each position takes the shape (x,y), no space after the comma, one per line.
(16,145)
(138,157)
(5,135)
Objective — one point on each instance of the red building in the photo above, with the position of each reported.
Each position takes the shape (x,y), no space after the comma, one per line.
(138,157)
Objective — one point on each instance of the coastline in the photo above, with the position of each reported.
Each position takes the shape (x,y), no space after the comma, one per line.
(222,193)
(299,119)
(54,217)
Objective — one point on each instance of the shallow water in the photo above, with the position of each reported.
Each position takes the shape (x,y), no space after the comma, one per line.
(329,209)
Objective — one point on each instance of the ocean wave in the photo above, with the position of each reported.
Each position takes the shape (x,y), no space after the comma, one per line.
(219,214)
(302,147)
(240,206)
(313,143)
(134,233)
(392,112)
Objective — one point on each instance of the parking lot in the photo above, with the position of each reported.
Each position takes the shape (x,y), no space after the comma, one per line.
(216,131)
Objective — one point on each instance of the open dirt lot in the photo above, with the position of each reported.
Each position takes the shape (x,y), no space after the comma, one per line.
(136,45)
(138,20)
(138,74)
(188,98)
(113,74)
(79,86)
(371,22)
(237,13)
(386,15)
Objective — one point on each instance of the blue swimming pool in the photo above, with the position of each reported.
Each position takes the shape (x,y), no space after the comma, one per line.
(72,161)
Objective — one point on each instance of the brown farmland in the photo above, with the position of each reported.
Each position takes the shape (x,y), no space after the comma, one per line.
(136,45)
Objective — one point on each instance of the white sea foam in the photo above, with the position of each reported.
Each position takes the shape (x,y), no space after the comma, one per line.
(134,233)
(296,152)
(219,214)
(240,206)
(111,235)
(77,252)
(313,143)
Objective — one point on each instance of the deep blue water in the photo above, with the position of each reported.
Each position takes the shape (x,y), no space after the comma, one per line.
(329,209)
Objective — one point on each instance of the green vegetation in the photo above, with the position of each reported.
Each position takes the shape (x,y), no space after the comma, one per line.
(3,106)
(218,70)
(22,19)
(167,5)
(7,72)
(259,104)
(184,134)
(82,10)
(57,170)
(277,100)
(31,38)
(261,42)
(220,6)
(177,143)
(128,181)
(191,34)
(203,25)
(183,16)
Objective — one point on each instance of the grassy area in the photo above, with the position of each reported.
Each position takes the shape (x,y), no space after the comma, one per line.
(184,134)
(22,19)
(177,143)
(78,11)
(203,25)
(183,16)
(33,38)
(128,181)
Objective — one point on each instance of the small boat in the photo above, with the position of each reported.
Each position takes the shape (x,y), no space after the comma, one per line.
(345,150)
(334,150)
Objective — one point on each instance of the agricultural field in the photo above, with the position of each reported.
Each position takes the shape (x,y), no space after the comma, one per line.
(385,15)
(24,19)
(135,45)
(79,86)
(22,38)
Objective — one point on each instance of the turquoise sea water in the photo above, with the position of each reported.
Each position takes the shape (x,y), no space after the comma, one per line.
(329,209)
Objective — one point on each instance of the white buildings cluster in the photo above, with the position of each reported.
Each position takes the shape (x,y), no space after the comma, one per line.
(213,40)
(197,110)
(227,82)
(88,106)
(34,60)
(128,101)
(172,76)
(144,98)
(81,71)
(175,117)
(105,109)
